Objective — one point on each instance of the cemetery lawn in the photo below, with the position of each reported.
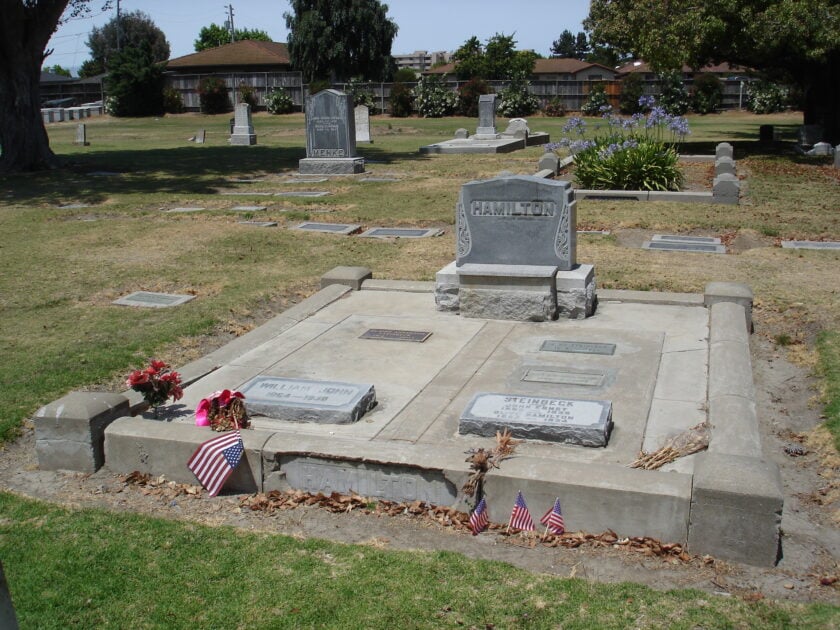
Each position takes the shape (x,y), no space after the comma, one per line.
(93,568)
(61,266)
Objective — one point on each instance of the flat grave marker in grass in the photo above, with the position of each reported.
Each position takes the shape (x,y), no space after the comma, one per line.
(379,179)
(259,223)
(333,228)
(679,238)
(149,299)
(690,247)
(184,209)
(302,193)
(306,180)
(239,193)
(835,245)
(248,208)
(383,232)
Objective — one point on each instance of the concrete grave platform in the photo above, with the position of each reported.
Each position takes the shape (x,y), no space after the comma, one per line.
(662,363)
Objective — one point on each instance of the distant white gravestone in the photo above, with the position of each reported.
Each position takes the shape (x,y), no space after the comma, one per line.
(362,115)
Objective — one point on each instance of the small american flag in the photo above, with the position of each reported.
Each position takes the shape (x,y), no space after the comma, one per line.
(214,461)
(520,517)
(478,519)
(553,519)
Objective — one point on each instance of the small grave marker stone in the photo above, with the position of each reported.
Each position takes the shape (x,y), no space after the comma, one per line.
(811,245)
(302,400)
(248,208)
(259,223)
(382,232)
(184,209)
(302,193)
(333,228)
(149,299)
(200,136)
(688,246)
(581,422)
(577,347)
(681,238)
(81,135)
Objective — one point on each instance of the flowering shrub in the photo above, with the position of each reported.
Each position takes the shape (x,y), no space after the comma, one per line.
(635,153)
(401,100)
(213,96)
(278,101)
(432,98)
(764,97)
(596,101)
(157,383)
(222,411)
(517,99)
(672,95)
(555,108)
(247,94)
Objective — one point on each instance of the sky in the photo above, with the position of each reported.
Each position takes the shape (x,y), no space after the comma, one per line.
(430,25)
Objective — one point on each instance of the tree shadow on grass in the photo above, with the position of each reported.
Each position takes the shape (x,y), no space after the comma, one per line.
(94,176)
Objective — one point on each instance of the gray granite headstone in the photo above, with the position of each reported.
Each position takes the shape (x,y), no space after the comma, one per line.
(361,114)
(462,134)
(301,400)
(723,165)
(726,188)
(517,220)
(548,162)
(820,148)
(486,115)
(243,130)
(330,131)
(724,149)
(81,135)
(809,135)
(581,422)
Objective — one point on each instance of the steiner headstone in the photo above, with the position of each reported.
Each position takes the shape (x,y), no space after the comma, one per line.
(362,116)
(81,135)
(486,117)
(581,422)
(330,135)
(301,400)
(243,130)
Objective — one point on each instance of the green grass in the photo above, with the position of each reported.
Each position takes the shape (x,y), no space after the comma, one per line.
(90,568)
(828,347)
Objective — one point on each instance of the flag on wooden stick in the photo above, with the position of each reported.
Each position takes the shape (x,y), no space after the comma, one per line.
(553,519)
(214,461)
(479,519)
(520,517)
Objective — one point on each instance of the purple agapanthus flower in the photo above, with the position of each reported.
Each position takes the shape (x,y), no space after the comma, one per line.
(646,101)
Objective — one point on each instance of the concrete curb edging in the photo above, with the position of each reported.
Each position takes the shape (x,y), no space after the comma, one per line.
(737,498)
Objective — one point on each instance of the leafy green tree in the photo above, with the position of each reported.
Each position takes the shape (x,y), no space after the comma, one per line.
(338,40)
(632,87)
(135,83)
(581,45)
(25,29)
(707,93)
(794,41)
(497,60)
(135,29)
(56,69)
(404,75)
(214,35)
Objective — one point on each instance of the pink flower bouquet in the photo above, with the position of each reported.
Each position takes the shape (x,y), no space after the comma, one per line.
(222,411)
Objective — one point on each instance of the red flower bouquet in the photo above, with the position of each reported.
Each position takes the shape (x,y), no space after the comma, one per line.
(157,383)
(222,411)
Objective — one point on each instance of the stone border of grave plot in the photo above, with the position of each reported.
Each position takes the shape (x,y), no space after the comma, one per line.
(730,507)
(726,187)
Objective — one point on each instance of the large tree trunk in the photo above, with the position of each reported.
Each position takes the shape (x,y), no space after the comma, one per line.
(25,29)
(820,106)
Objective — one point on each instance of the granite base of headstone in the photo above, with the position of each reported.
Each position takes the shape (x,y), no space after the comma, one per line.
(302,400)
(330,136)
(580,422)
(243,130)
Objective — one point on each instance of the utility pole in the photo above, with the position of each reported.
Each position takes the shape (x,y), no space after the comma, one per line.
(118,26)
(229,22)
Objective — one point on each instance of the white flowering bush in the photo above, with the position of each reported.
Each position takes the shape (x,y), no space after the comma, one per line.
(278,101)
(517,99)
(432,98)
(764,97)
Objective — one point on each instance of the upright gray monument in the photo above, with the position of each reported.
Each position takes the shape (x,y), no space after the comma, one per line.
(362,117)
(516,253)
(81,135)
(243,130)
(330,135)
(486,117)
